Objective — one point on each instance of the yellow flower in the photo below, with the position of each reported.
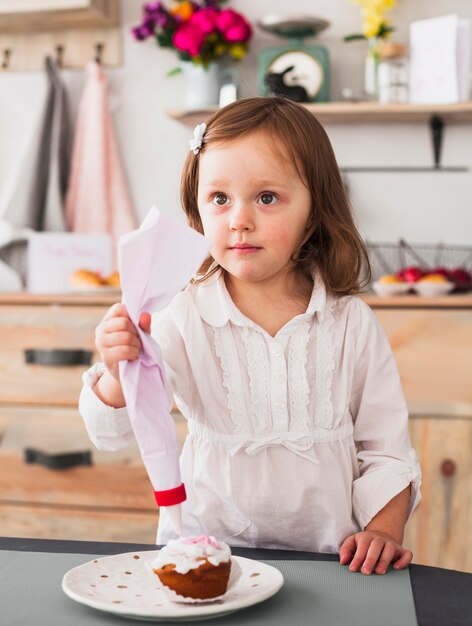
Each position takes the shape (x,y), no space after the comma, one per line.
(237,51)
(373,15)
(182,9)
(371,25)
(379,6)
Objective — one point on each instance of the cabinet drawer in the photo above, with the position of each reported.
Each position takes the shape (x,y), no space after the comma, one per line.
(62,522)
(432,350)
(42,329)
(111,500)
(115,479)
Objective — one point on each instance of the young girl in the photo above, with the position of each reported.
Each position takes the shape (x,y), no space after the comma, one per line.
(298,428)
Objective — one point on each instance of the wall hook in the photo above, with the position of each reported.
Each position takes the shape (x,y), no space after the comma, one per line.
(6,58)
(99,47)
(59,55)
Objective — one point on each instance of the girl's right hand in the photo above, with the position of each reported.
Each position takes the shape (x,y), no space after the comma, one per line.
(116,337)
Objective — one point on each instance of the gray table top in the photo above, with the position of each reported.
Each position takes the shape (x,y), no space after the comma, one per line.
(442,597)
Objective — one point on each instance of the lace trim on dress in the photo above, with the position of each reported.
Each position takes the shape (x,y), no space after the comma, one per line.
(258,371)
(325,363)
(232,379)
(299,390)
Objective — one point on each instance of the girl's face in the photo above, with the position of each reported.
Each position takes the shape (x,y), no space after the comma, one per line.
(253,205)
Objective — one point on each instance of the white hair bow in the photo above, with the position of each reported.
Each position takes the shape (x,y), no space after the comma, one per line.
(196,142)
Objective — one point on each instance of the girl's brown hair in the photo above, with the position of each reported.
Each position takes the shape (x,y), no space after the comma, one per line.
(332,244)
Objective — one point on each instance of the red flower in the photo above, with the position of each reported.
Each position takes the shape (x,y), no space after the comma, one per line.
(233,26)
(205,20)
(188,38)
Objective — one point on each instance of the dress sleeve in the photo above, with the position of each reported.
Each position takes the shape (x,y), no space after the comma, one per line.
(108,428)
(387,461)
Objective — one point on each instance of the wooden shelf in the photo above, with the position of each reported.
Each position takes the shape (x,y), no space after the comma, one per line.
(358,113)
(413,301)
(452,301)
(88,298)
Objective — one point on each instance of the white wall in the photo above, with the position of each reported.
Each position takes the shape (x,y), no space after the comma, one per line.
(425,207)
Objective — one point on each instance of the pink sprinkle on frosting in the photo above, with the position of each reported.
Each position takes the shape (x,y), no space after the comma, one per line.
(204,539)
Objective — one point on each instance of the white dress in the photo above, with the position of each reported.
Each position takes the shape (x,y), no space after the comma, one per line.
(295,441)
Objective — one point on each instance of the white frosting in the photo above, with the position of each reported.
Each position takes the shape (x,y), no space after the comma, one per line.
(187,553)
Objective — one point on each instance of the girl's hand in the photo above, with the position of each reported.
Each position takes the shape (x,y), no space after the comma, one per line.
(372,549)
(116,337)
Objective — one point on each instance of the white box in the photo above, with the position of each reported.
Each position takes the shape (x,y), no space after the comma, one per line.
(440,60)
(53,257)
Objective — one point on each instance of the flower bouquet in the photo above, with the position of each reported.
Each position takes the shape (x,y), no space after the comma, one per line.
(375,29)
(200,32)
(374,26)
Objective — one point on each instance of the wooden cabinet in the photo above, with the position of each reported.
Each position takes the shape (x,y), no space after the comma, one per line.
(433,349)
(109,500)
(439,532)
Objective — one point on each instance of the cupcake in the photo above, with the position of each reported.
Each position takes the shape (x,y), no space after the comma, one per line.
(194,567)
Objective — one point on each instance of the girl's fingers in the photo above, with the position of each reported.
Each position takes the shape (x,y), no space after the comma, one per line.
(122,353)
(125,338)
(116,310)
(145,322)
(403,558)
(373,553)
(387,556)
(117,324)
(361,552)
(347,549)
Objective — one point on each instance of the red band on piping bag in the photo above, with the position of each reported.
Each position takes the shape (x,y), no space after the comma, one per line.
(169,497)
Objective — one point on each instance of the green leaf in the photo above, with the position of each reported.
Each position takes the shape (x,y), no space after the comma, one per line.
(173,72)
(385,29)
(356,37)
(184,56)
(164,39)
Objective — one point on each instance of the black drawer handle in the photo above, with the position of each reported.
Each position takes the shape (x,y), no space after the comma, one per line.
(57,461)
(58,357)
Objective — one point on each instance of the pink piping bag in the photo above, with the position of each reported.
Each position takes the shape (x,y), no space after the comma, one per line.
(156,262)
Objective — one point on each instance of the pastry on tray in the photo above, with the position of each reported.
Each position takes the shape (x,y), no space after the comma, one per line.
(85,278)
(194,567)
(113,279)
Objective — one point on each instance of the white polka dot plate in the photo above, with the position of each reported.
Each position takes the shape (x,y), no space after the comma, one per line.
(123,585)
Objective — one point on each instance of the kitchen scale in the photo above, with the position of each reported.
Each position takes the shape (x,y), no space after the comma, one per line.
(295,70)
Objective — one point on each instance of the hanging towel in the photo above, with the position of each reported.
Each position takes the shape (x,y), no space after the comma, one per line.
(32,198)
(97,198)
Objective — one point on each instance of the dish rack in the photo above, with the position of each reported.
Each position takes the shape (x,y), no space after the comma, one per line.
(389,258)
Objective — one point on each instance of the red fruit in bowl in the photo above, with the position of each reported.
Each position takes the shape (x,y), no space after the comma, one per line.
(411,274)
(441,270)
(461,278)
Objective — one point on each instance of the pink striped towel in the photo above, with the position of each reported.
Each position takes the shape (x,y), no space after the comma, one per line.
(97,199)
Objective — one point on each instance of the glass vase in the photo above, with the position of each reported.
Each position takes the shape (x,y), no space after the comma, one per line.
(371,67)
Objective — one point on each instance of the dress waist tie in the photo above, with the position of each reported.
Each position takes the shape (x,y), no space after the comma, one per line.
(297,442)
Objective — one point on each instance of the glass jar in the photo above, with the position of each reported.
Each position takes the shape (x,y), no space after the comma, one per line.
(392,75)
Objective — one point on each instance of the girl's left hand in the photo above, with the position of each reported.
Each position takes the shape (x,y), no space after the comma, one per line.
(372,549)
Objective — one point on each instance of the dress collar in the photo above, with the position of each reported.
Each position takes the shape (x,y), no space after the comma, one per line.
(216,308)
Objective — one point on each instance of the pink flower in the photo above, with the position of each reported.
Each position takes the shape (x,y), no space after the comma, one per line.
(205,20)
(234,27)
(188,38)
